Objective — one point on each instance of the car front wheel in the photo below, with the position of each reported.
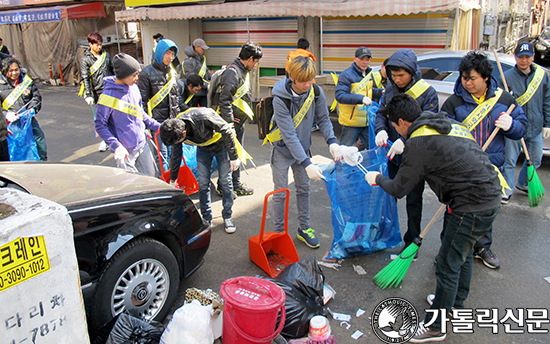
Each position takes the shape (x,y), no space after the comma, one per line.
(141,278)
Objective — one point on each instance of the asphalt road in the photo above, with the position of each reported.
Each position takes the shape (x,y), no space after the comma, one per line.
(521,239)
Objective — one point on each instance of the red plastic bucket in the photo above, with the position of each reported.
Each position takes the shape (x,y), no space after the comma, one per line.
(251,307)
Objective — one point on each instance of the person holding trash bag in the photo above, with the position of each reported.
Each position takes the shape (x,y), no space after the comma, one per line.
(94,66)
(481,105)
(530,85)
(204,128)
(404,76)
(444,153)
(18,92)
(297,100)
(121,121)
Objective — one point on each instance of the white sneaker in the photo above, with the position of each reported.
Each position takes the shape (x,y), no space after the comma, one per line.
(102,147)
(229,226)
(430,299)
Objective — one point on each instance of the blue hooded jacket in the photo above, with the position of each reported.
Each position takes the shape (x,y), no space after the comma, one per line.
(459,105)
(404,58)
(162,46)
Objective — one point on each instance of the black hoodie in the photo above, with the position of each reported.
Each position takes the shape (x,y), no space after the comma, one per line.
(456,168)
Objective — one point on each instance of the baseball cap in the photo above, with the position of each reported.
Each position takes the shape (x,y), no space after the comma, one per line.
(363,51)
(199,42)
(524,48)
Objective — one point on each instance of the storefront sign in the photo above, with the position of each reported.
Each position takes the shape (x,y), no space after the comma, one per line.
(26,16)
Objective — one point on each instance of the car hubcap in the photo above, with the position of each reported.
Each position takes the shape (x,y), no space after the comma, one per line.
(141,289)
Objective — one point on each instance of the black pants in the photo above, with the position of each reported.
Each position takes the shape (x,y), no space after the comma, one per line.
(414,207)
(4,152)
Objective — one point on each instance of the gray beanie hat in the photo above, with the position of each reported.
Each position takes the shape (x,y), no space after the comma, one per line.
(125,65)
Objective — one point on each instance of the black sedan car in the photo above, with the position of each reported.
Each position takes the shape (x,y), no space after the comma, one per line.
(136,237)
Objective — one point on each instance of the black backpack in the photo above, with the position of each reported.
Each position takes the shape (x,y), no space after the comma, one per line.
(264,113)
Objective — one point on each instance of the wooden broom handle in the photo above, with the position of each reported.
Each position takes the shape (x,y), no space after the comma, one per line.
(487,143)
(501,71)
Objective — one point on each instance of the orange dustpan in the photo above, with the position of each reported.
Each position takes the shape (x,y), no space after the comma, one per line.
(273,251)
(186,179)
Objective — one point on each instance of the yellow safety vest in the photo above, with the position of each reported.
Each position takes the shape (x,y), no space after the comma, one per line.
(94,68)
(120,105)
(242,154)
(375,80)
(355,115)
(162,93)
(532,88)
(275,135)
(475,117)
(16,93)
(202,71)
(239,102)
(418,89)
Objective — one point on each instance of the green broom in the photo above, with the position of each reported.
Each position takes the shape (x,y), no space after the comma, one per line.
(535,189)
(394,272)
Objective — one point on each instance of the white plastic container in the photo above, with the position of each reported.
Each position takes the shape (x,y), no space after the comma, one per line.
(319,328)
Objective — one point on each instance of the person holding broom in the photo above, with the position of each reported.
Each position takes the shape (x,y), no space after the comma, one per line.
(481,106)
(530,85)
(444,153)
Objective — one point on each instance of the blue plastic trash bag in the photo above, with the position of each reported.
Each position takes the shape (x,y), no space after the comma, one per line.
(21,144)
(364,217)
(371,111)
(190,156)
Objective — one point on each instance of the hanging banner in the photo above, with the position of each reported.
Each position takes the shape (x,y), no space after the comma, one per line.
(26,16)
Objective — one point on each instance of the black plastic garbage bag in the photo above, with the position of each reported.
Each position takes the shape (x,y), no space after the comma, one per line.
(303,285)
(131,330)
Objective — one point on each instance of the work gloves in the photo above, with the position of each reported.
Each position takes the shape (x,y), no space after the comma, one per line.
(89,100)
(11,116)
(314,172)
(504,121)
(381,138)
(336,151)
(367,101)
(235,164)
(121,153)
(397,148)
(545,133)
(370,177)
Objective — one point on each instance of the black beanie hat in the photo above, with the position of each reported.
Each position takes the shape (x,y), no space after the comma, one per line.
(125,65)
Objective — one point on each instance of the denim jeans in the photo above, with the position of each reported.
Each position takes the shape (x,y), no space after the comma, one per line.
(139,161)
(204,165)
(513,148)
(454,262)
(279,167)
(40,139)
(349,135)
(239,132)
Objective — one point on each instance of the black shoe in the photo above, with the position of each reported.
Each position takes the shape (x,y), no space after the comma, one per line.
(526,190)
(220,193)
(505,199)
(488,258)
(425,334)
(242,190)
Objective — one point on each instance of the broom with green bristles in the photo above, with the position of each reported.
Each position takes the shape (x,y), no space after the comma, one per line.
(535,189)
(394,272)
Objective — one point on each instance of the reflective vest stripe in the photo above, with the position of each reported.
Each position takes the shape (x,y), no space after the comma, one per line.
(120,105)
(475,117)
(532,88)
(16,93)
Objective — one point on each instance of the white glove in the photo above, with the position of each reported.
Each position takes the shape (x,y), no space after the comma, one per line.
(504,122)
(314,172)
(370,177)
(545,133)
(381,138)
(335,151)
(235,164)
(89,100)
(11,116)
(367,101)
(397,148)
(121,153)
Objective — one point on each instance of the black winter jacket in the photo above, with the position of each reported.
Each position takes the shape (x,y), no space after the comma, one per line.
(456,168)
(150,81)
(232,78)
(192,65)
(93,84)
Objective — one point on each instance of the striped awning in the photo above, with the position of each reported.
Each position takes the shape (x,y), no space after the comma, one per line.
(274,8)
